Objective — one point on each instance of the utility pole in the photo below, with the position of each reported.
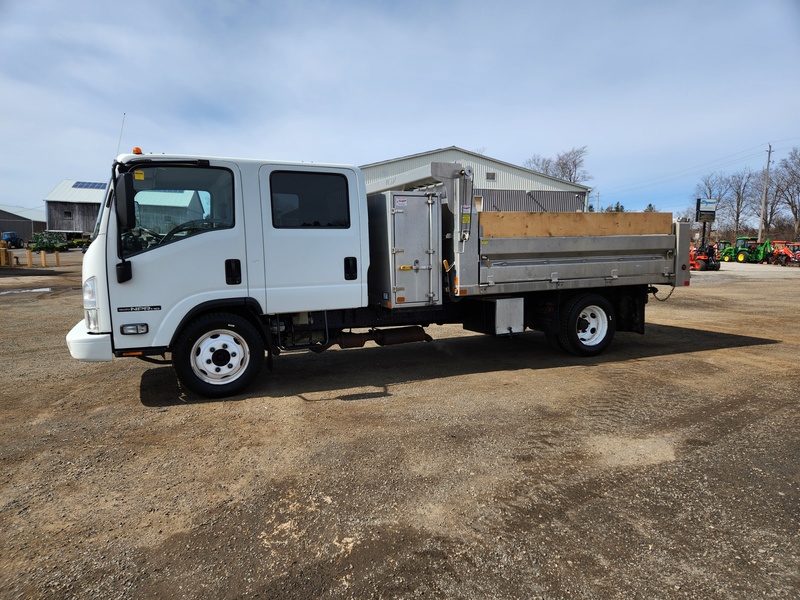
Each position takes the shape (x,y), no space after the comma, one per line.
(762,224)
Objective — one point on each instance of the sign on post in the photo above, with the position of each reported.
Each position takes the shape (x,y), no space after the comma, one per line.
(706,210)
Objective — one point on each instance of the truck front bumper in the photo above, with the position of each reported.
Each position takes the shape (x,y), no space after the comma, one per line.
(91,347)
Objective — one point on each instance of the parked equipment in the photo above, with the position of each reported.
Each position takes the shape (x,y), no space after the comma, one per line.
(703,258)
(13,240)
(747,249)
(795,248)
(720,248)
(781,253)
(251,256)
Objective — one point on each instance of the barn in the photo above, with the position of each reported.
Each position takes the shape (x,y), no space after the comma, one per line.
(499,186)
(72,207)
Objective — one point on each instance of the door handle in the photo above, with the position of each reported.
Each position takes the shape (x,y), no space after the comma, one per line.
(233,271)
(350,268)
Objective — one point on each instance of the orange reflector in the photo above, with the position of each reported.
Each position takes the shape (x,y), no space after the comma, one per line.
(132,353)
(137,150)
(401,299)
(462,292)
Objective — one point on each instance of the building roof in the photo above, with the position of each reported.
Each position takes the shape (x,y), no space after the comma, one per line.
(77,192)
(478,157)
(28,214)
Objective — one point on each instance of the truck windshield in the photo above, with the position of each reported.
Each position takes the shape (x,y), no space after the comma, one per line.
(173,203)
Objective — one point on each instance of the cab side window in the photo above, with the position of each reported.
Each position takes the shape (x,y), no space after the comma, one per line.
(309,200)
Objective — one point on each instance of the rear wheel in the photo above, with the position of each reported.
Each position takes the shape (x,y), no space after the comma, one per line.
(554,340)
(218,355)
(702,265)
(587,325)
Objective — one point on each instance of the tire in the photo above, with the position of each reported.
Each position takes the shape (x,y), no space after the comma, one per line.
(702,265)
(554,339)
(741,257)
(218,355)
(727,258)
(587,325)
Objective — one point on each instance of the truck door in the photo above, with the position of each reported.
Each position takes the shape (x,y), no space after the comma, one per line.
(314,238)
(187,248)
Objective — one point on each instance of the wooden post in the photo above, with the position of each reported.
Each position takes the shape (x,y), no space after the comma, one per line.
(30,258)
(44,258)
(58,259)
(3,253)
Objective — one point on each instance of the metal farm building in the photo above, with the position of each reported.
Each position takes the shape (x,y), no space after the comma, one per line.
(24,221)
(500,186)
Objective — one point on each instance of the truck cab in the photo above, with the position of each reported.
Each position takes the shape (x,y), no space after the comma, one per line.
(180,238)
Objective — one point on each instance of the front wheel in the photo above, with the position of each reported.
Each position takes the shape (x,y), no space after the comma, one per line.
(587,325)
(218,355)
(741,257)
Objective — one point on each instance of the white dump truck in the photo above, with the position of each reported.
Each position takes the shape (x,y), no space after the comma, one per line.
(218,265)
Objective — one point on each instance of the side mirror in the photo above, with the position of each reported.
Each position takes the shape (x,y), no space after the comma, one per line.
(124,204)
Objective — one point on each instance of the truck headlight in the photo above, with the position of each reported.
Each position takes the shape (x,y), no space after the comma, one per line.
(90,304)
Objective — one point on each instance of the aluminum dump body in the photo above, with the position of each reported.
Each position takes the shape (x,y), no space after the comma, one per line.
(521,252)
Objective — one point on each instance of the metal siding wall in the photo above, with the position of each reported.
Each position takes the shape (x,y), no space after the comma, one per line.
(538,201)
(507,190)
(11,222)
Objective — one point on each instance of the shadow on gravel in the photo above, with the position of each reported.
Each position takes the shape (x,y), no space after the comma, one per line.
(377,368)
(22,272)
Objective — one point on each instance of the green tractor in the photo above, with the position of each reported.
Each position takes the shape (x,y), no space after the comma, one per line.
(747,249)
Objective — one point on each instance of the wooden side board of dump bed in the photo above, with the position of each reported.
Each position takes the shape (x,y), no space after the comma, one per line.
(522,224)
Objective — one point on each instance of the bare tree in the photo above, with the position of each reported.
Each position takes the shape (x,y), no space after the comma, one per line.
(775,216)
(715,186)
(541,164)
(742,186)
(787,184)
(566,165)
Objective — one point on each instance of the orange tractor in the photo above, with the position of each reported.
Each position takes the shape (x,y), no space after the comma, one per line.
(795,247)
(703,258)
(780,253)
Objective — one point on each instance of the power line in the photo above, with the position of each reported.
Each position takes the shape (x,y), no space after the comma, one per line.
(726,161)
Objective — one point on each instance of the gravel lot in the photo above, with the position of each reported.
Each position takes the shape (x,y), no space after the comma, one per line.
(470,467)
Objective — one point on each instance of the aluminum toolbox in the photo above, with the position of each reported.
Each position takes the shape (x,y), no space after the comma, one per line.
(405,249)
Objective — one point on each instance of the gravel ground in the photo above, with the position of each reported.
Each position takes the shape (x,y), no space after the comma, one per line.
(470,467)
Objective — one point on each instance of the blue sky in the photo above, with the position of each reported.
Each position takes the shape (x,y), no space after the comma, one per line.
(660,92)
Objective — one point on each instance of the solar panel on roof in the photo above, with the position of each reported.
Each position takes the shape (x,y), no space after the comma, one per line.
(89,185)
